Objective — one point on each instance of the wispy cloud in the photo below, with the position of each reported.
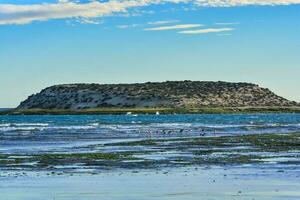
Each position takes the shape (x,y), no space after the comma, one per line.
(124,26)
(88,21)
(208,30)
(64,9)
(163,22)
(178,26)
(231,3)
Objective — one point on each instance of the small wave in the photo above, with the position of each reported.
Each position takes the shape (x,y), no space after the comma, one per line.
(269,125)
(43,127)
(226,125)
(84,127)
(29,124)
(13,127)
(172,124)
(95,124)
(10,129)
(282,125)
(23,124)
(5,125)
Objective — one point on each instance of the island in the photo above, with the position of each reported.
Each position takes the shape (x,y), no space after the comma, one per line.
(168,97)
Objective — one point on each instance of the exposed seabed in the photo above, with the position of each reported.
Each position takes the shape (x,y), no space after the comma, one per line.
(243,182)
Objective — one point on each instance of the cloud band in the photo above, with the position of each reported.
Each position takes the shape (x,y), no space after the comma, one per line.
(208,30)
(23,14)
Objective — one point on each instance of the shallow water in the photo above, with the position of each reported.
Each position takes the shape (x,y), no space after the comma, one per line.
(150,157)
(174,184)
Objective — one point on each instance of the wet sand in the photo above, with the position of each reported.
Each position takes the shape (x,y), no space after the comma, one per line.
(244,182)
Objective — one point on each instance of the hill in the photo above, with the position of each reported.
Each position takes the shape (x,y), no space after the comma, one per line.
(170,94)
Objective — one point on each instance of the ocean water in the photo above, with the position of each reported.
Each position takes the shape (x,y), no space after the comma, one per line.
(15,130)
(124,126)
(243,156)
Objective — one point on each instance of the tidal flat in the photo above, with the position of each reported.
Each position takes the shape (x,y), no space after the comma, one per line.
(164,152)
(253,156)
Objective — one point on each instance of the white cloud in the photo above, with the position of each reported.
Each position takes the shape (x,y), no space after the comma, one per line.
(230,3)
(163,22)
(208,30)
(64,9)
(178,26)
(23,14)
(88,21)
(128,26)
(63,1)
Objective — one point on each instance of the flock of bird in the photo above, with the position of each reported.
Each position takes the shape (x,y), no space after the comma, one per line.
(170,132)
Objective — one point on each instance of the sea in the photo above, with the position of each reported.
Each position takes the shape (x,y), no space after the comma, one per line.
(178,156)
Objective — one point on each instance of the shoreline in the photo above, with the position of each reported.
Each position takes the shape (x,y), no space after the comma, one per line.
(121,111)
(175,184)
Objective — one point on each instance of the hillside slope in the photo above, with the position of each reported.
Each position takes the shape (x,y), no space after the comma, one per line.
(164,94)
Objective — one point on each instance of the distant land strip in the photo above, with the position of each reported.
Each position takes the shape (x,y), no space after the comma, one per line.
(131,111)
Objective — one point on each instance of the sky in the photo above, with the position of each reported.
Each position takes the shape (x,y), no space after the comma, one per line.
(49,42)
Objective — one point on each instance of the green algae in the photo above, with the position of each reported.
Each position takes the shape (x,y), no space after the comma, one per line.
(102,156)
(153,153)
(136,143)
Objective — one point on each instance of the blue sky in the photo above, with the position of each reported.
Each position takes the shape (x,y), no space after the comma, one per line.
(43,43)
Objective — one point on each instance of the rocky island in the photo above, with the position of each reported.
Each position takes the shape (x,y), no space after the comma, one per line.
(169,96)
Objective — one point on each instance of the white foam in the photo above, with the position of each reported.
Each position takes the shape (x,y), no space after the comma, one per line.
(84,127)
(4,125)
(29,124)
(8,129)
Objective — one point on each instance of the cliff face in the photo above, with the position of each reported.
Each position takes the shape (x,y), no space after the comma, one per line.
(165,94)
